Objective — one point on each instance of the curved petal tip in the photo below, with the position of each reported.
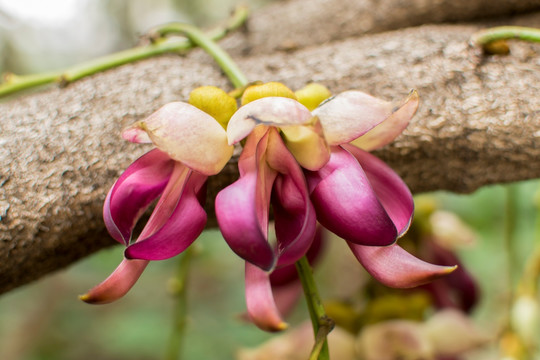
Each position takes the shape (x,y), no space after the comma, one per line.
(395,267)
(391,127)
(117,284)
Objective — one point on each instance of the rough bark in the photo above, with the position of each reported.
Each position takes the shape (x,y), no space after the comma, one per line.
(293,24)
(61,151)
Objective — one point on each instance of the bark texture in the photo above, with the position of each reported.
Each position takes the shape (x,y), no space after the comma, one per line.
(478,124)
(292,24)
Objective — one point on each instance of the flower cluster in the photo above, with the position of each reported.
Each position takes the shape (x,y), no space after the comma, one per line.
(304,161)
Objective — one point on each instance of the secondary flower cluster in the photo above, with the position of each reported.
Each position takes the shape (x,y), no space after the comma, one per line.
(305,161)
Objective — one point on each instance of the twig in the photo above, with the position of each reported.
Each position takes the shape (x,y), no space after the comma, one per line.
(492,40)
(322,324)
(14,83)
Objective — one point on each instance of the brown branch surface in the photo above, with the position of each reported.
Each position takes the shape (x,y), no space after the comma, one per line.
(60,149)
(293,24)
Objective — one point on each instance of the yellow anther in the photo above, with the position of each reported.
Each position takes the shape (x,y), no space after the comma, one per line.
(312,95)
(266,90)
(215,102)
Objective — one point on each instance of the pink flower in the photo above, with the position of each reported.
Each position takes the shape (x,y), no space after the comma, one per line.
(301,163)
(190,146)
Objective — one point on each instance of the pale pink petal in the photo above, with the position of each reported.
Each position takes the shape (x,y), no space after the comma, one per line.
(117,284)
(392,192)
(188,135)
(260,302)
(270,111)
(395,267)
(134,191)
(347,205)
(389,129)
(350,115)
(136,135)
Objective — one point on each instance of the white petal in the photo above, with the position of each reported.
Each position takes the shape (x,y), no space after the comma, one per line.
(271,111)
(188,135)
(391,127)
(351,114)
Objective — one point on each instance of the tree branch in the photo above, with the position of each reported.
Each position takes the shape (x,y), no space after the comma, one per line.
(61,149)
(321,21)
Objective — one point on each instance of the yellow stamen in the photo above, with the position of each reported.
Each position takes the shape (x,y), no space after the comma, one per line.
(215,102)
(312,95)
(255,92)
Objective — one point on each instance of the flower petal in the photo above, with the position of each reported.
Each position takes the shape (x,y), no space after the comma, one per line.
(295,218)
(392,192)
(395,267)
(135,189)
(188,135)
(389,129)
(307,144)
(347,205)
(136,135)
(181,228)
(272,111)
(350,115)
(260,302)
(242,207)
(117,284)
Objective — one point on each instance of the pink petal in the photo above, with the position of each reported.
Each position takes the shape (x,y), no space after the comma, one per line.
(347,205)
(181,227)
(260,302)
(136,135)
(134,191)
(389,129)
(117,284)
(295,218)
(395,267)
(188,135)
(392,192)
(270,111)
(242,207)
(350,115)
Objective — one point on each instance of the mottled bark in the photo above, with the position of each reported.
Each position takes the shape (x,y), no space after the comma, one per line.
(60,149)
(293,24)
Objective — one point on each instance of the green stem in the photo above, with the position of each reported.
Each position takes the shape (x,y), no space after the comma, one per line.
(179,291)
(509,230)
(487,36)
(322,325)
(225,62)
(14,83)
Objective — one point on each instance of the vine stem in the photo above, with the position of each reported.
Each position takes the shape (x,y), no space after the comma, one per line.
(225,62)
(488,36)
(509,230)
(322,324)
(14,83)
(179,291)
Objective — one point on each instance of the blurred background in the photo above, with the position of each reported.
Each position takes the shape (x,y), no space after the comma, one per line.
(45,320)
